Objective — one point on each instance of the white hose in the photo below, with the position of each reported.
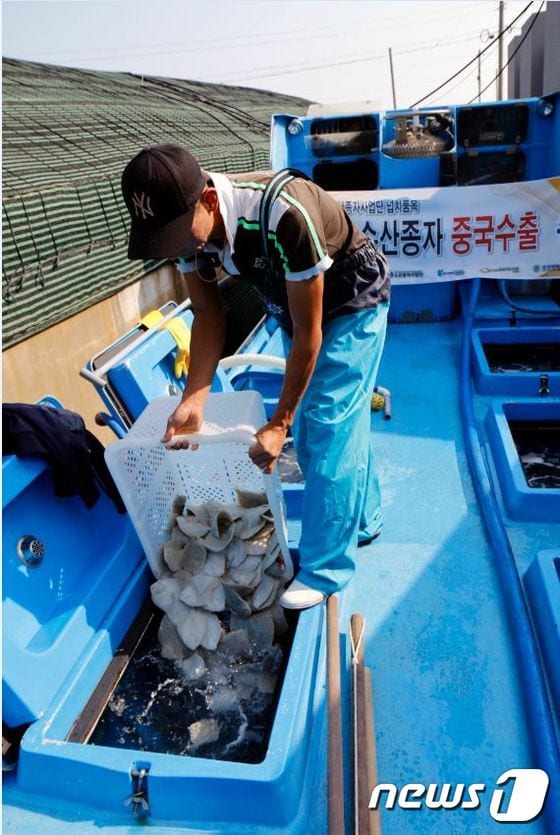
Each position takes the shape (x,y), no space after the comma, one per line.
(265,360)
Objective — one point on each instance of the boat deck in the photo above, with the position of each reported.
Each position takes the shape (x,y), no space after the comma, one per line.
(430,594)
(447,698)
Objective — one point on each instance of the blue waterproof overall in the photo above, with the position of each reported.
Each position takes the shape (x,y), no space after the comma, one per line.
(341,501)
(331,430)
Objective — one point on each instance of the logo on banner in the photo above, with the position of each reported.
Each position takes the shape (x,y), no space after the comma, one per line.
(450,272)
(499,270)
(522,803)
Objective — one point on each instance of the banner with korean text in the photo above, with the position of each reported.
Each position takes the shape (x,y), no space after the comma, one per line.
(510,230)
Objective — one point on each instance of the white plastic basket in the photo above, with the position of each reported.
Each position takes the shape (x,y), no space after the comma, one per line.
(149,476)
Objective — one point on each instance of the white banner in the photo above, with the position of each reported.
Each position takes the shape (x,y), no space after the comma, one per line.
(510,230)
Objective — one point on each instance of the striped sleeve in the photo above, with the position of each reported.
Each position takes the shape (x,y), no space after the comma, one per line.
(185,265)
(300,240)
(189,265)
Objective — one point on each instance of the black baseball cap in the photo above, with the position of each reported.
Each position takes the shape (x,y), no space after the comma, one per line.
(161,186)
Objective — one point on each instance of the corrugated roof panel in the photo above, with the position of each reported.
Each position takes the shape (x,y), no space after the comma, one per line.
(67,136)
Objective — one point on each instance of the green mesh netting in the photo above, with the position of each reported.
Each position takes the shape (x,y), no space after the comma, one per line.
(67,136)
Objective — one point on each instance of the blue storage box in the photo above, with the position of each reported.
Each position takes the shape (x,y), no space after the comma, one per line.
(542,583)
(64,566)
(423,302)
(530,504)
(519,383)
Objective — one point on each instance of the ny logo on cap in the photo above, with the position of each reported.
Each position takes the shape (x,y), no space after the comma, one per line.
(141,205)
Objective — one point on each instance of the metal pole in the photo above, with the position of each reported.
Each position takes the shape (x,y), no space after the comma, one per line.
(392,79)
(479,76)
(335,776)
(500,51)
(371,749)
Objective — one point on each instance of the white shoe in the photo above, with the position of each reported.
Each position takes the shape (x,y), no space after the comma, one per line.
(300,596)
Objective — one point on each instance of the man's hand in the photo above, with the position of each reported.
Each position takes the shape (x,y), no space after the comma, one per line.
(186,418)
(270,440)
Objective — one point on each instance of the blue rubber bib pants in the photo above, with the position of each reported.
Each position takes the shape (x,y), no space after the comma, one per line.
(332,438)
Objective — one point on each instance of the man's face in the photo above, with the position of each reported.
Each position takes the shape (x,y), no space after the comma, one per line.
(205,223)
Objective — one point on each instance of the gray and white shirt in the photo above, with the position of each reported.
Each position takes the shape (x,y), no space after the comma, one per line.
(309,234)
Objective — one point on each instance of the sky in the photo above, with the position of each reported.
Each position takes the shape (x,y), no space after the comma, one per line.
(323,50)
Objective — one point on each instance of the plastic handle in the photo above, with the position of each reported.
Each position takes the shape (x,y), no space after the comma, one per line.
(239,435)
(97,377)
(265,360)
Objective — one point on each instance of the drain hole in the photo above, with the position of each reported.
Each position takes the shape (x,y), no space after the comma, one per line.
(30,551)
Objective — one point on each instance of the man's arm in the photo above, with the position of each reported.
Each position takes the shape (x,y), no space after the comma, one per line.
(207,341)
(306,308)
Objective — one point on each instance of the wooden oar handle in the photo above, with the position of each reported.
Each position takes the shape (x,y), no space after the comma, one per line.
(366,821)
(357,626)
(335,761)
